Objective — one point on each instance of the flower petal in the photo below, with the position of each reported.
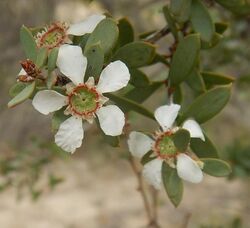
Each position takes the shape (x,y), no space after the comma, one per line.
(152,172)
(114,77)
(112,120)
(194,128)
(188,169)
(166,115)
(70,134)
(48,101)
(72,63)
(86,26)
(139,144)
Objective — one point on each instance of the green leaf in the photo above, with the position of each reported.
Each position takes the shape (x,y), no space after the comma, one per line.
(216,167)
(181,140)
(136,54)
(220,27)
(81,40)
(177,95)
(201,21)
(51,79)
(106,34)
(145,35)
(126,32)
(212,78)
(215,40)
(241,7)
(172,184)
(139,95)
(203,149)
(42,55)
(170,21)
(95,58)
(57,118)
(23,95)
(195,82)
(138,78)
(17,88)
(52,58)
(129,105)
(184,59)
(29,44)
(207,105)
(147,158)
(181,9)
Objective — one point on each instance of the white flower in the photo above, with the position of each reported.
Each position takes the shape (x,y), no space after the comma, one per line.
(84,100)
(164,149)
(58,33)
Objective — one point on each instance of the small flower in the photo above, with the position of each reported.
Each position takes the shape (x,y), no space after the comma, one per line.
(57,33)
(164,150)
(84,100)
(29,71)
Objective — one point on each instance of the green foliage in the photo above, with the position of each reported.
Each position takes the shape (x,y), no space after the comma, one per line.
(126,31)
(172,184)
(136,54)
(196,82)
(28,43)
(238,7)
(181,140)
(95,58)
(201,21)
(216,167)
(105,34)
(207,105)
(52,58)
(138,78)
(23,95)
(203,149)
(147,157)
(184,59)
(181,9)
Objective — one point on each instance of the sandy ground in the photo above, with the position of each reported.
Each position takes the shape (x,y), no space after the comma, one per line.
(94,197)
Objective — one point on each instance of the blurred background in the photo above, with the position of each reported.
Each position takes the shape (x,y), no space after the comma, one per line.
(42,187)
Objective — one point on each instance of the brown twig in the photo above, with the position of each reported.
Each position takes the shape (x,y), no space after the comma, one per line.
(158,35)
(141,188)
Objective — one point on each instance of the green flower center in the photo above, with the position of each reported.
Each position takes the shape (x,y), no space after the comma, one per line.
(164,146)
(83,100)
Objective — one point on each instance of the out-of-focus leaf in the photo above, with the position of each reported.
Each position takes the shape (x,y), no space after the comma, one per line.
(29,44)
(177,95)
(181,9)
(57,118)
(220,27)
(106,34)
(207,105)
(215,40)
(23,95)
(81,40)
(42,55)
(216,167)
(95,58)
(147,158)
(126,32)
(240,7)
(172,184)
(136,54)
(138,78)
(129,105)
(145,35)
(170,21)
(203,149)
(195,82)
(17,88)
(139,95)
(184,59)
(212,78)
(201,21)
(52,58)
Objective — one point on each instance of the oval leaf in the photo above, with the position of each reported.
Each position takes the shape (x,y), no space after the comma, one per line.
(181,140)
(172,184)
(212,78)
(17,88)
(52,58)
(181,9)
(184,59)
(207,105)
(23,95)
(28,42)
(201,21)
(138,78)
(126,32)
(216,167)
(41,57)
(106,34)
(195,82)
(203,149)
(136,54)
(95,58)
